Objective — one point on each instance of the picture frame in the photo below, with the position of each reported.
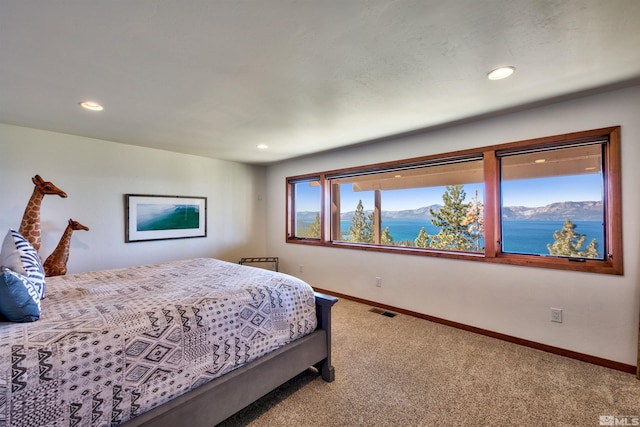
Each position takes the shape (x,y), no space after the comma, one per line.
(157,217)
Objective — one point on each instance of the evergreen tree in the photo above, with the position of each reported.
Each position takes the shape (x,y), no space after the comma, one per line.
(361,226)
(314,229)
(475,222)
(591,251)
(369,234)
(568,242)
(422,241)
(386,238)
(451,219)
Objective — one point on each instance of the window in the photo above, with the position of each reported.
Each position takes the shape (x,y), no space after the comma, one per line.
(551,202)
(306,202)
(413,206)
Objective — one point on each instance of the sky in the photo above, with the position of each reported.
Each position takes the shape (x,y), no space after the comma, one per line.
(530,193)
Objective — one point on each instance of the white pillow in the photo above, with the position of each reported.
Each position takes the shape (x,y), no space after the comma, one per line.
(20,256)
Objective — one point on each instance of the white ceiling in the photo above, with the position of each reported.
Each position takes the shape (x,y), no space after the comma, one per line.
(216,78)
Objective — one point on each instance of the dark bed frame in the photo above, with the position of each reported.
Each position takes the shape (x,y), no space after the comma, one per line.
(222,397)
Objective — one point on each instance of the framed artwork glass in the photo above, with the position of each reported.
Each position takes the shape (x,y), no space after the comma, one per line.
(153,217)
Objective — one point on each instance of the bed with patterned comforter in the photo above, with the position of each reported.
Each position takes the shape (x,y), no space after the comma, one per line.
(113,344)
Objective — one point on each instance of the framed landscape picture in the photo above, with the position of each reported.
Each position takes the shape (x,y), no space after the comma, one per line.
(151,217)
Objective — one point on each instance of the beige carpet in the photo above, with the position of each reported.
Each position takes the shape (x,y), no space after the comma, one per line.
(405,371)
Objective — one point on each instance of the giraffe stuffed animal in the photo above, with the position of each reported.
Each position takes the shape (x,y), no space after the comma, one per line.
(30,226)
(56,263)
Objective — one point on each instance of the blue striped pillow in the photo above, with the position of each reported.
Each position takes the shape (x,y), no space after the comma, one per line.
(20,256)
(19,297)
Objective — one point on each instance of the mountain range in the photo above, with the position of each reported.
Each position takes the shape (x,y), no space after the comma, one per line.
(576,211)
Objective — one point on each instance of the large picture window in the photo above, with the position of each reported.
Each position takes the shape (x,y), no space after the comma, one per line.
(436,205)
(551,202)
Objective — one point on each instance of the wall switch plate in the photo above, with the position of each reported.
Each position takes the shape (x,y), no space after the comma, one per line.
(556,315)
(378,282)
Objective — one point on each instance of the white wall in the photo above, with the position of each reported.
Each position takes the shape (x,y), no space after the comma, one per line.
(600,312)
(96,174)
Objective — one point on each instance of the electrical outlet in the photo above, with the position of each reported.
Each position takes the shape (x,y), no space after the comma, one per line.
(378,282)
(556,315)
(301,268)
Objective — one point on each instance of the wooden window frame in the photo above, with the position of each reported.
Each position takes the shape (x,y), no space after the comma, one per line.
(611,264)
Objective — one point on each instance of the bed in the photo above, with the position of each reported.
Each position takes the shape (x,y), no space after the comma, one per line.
(186,342)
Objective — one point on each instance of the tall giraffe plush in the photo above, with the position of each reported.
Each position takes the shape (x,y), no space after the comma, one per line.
(30,226)
(56,263)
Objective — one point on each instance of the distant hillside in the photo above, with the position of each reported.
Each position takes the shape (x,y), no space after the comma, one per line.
(420,213)
(577,211)
(410,214)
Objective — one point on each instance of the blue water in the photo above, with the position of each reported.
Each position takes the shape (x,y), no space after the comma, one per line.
(540,233)
(526,237)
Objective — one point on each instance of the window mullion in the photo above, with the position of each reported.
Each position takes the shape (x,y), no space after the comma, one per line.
(377,217)
(491,204)
(613,204)
(334,196)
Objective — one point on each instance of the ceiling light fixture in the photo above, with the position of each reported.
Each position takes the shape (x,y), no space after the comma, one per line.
(501,73)
(262,146)
(90,105)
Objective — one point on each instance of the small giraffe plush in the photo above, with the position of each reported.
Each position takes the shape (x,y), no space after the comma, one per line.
(56,263)
(30,226)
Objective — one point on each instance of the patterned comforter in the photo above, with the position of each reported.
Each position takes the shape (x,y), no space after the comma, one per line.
(113,344)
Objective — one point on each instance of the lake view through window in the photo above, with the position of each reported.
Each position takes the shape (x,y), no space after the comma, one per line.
(551,202)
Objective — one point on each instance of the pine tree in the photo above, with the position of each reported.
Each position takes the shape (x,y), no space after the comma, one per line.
(568,242)
(369,233)
(422,241)
(591,251)
(314,229)
(361,226)
(451,219)
(475,222)
(386,238)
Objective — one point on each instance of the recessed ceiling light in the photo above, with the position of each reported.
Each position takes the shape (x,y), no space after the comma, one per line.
(539,161)
(501,73)
(262,146)
(90,105)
